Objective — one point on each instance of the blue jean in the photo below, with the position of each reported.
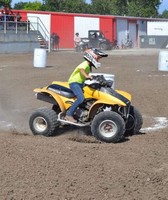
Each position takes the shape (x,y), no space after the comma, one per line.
(78,92)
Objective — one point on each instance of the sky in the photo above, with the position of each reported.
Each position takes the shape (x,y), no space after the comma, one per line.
(163,6)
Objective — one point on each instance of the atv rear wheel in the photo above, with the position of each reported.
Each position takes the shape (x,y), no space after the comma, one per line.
(43,122)
(134,123)
(108,126)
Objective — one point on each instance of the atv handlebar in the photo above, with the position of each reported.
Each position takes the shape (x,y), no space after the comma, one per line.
(102,81)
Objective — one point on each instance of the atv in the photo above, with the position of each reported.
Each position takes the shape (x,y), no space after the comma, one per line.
(96,39)
(108,112)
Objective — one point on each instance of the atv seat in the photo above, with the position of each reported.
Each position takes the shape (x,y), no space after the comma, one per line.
(61,90)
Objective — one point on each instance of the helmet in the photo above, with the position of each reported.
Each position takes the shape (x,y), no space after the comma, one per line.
(92,55)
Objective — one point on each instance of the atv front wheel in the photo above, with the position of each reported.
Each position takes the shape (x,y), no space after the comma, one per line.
(134,122)
(43,122)
(108,126)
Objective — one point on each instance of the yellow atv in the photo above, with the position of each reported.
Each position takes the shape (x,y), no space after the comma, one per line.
(108,112)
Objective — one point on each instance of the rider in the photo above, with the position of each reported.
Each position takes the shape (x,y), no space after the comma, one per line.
(79,75)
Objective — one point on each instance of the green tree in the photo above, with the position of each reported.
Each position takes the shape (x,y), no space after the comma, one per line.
(121,7)
(52,5)
(5,3)
(164,14)
(143,8)
(103,7)
(36,5)
(20,5)
(137,8)
(76,6)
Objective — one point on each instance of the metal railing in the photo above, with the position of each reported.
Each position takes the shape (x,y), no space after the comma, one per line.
(37,24)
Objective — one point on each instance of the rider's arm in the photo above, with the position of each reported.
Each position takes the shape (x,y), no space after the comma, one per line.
(83,72)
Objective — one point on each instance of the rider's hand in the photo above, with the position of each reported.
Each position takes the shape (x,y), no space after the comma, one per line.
(89,77)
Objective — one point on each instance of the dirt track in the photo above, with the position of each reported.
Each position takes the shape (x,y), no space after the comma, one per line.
(73,165)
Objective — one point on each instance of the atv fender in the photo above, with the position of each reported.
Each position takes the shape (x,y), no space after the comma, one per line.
(99,103)
(125,94)
(43,94)
(112,101)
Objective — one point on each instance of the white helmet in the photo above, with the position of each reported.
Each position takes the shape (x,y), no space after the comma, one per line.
(92,55)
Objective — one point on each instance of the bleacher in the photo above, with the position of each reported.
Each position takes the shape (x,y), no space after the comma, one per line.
(18,36)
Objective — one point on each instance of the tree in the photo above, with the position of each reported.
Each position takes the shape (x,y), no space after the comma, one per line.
(52,5)
(33,6)
(37,5)
(102,7)
(4,3)
(110,7)
(20,5)
(121,7)
(143,8)
(76,6)
(137,8)
(164,14)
